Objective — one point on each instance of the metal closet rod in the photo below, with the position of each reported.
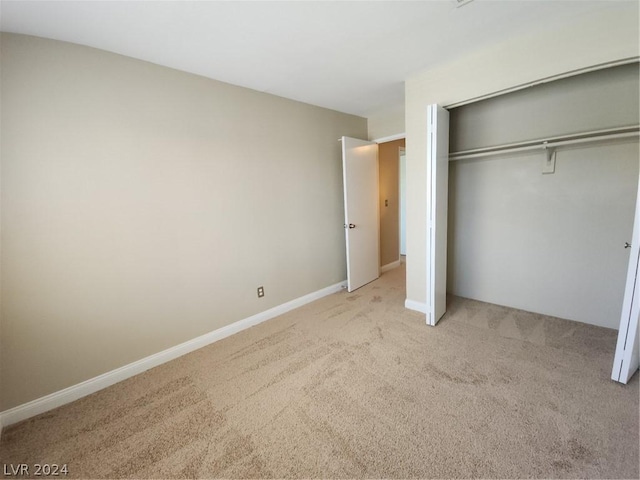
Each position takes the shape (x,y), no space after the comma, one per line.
(551,142)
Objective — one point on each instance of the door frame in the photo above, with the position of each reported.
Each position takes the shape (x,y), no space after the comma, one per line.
(402,152)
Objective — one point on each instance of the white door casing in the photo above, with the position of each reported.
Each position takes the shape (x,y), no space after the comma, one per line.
(625,361)
(403,203)
(437,207)
(361,215)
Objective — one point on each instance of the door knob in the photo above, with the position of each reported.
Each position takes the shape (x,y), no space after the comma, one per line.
(627,245)
(351,225)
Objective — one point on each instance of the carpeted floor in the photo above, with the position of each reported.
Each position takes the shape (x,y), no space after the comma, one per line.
(356,386)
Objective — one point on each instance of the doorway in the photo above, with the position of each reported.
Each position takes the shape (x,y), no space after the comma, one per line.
(389,155)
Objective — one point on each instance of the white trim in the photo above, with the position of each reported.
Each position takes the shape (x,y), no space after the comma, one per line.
(390,266)
(62,397)
(417,306)
(390,138)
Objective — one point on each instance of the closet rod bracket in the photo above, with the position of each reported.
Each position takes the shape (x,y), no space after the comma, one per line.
(549,165)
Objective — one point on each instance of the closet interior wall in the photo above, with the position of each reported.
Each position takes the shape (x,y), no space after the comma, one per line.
(546,243)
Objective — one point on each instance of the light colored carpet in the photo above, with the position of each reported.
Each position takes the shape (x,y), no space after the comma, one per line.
(355,386)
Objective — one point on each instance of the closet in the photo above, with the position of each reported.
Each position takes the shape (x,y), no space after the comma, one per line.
(545,230)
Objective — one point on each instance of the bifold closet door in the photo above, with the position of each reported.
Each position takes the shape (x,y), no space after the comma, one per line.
(625,361)
(437,207)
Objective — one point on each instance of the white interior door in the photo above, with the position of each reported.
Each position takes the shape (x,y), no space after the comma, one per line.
(361,216)
(437,202)
(625,362)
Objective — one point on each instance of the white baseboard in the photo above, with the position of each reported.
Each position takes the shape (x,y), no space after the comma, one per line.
(390,266)
(417,306)
(62,397)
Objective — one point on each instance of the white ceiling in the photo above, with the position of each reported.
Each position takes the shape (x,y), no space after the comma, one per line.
(348,56)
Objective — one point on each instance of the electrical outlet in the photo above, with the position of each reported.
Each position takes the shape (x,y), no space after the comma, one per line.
(260,292)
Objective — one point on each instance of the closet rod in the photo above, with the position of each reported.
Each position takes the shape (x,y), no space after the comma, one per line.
(552,142)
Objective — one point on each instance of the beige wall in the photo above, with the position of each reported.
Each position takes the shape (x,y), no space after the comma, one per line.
(608,36)
(389,166)
(386,122)
(142,206)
